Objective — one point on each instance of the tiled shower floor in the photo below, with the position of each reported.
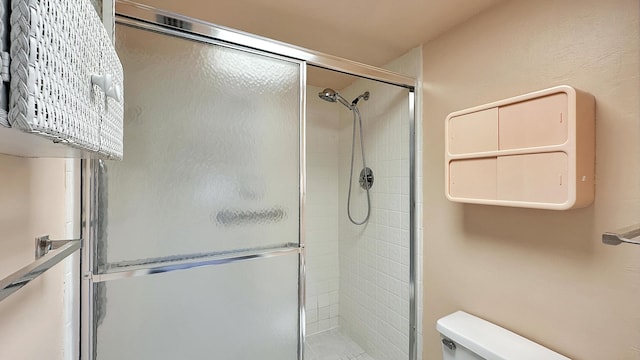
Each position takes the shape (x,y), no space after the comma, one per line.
(333,345)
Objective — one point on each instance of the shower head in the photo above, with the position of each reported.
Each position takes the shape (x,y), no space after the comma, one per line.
(331,95)
(328,95)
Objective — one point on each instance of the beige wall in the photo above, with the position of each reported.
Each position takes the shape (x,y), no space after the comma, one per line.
(40,320)
(543,274)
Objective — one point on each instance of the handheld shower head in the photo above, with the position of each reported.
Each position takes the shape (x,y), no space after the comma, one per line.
(331,95)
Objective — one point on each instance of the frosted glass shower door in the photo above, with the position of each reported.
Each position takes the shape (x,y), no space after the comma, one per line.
(209,186)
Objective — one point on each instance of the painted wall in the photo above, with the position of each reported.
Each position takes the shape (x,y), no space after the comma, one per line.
(40,321)
(543,274)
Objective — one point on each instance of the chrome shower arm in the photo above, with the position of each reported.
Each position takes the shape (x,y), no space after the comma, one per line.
(344,101)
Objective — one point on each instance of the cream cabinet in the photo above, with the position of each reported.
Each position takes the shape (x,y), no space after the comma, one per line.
(535,150)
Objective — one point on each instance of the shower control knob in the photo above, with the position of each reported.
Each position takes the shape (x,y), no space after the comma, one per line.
(366,178)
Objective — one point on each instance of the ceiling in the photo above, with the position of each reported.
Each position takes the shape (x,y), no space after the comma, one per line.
(367,31)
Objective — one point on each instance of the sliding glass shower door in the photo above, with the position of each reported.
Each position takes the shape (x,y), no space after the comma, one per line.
(196,234)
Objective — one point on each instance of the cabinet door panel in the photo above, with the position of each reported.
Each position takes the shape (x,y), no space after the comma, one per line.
(475,132)
(539,178)
(473,179)
(538,122)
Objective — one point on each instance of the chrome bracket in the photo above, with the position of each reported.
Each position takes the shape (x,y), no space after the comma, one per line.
(629,235)
(43,262)
(44,245)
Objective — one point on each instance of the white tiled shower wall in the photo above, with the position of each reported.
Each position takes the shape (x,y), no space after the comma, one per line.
(358,276)
(374,258)
(322,281)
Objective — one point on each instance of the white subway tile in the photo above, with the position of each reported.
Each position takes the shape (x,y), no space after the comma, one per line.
(394,203)
(311,302)
(311,315)
(334,310)
(334,285)
(395,219)
(311,289)
(405,256)
(334,322)
(334,297)
(405,221)
(404,238)
(312,328)
(324,312)
(323,300)
(324,325)
(382,248)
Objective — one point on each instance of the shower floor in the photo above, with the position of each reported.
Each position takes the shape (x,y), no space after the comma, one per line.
(333,345)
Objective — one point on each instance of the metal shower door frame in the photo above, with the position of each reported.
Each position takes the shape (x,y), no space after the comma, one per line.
(148,18)
(94,177)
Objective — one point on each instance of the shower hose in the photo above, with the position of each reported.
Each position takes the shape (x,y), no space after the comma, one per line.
(356,115)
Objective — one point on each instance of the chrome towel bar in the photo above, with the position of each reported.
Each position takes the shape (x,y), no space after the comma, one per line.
(153,266)
(629,235)
(48,254)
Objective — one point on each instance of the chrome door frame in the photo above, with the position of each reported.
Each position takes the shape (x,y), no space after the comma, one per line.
(142,13)
(148,18)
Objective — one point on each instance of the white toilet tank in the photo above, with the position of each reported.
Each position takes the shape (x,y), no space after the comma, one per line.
(466,337)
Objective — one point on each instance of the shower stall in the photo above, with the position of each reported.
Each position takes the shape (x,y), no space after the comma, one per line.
(358,249)
(258,212)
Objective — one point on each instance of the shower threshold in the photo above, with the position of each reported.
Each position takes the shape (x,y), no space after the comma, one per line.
(333,345)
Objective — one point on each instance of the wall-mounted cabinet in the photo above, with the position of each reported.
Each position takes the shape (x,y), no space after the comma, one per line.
(535,150)
(62,93)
